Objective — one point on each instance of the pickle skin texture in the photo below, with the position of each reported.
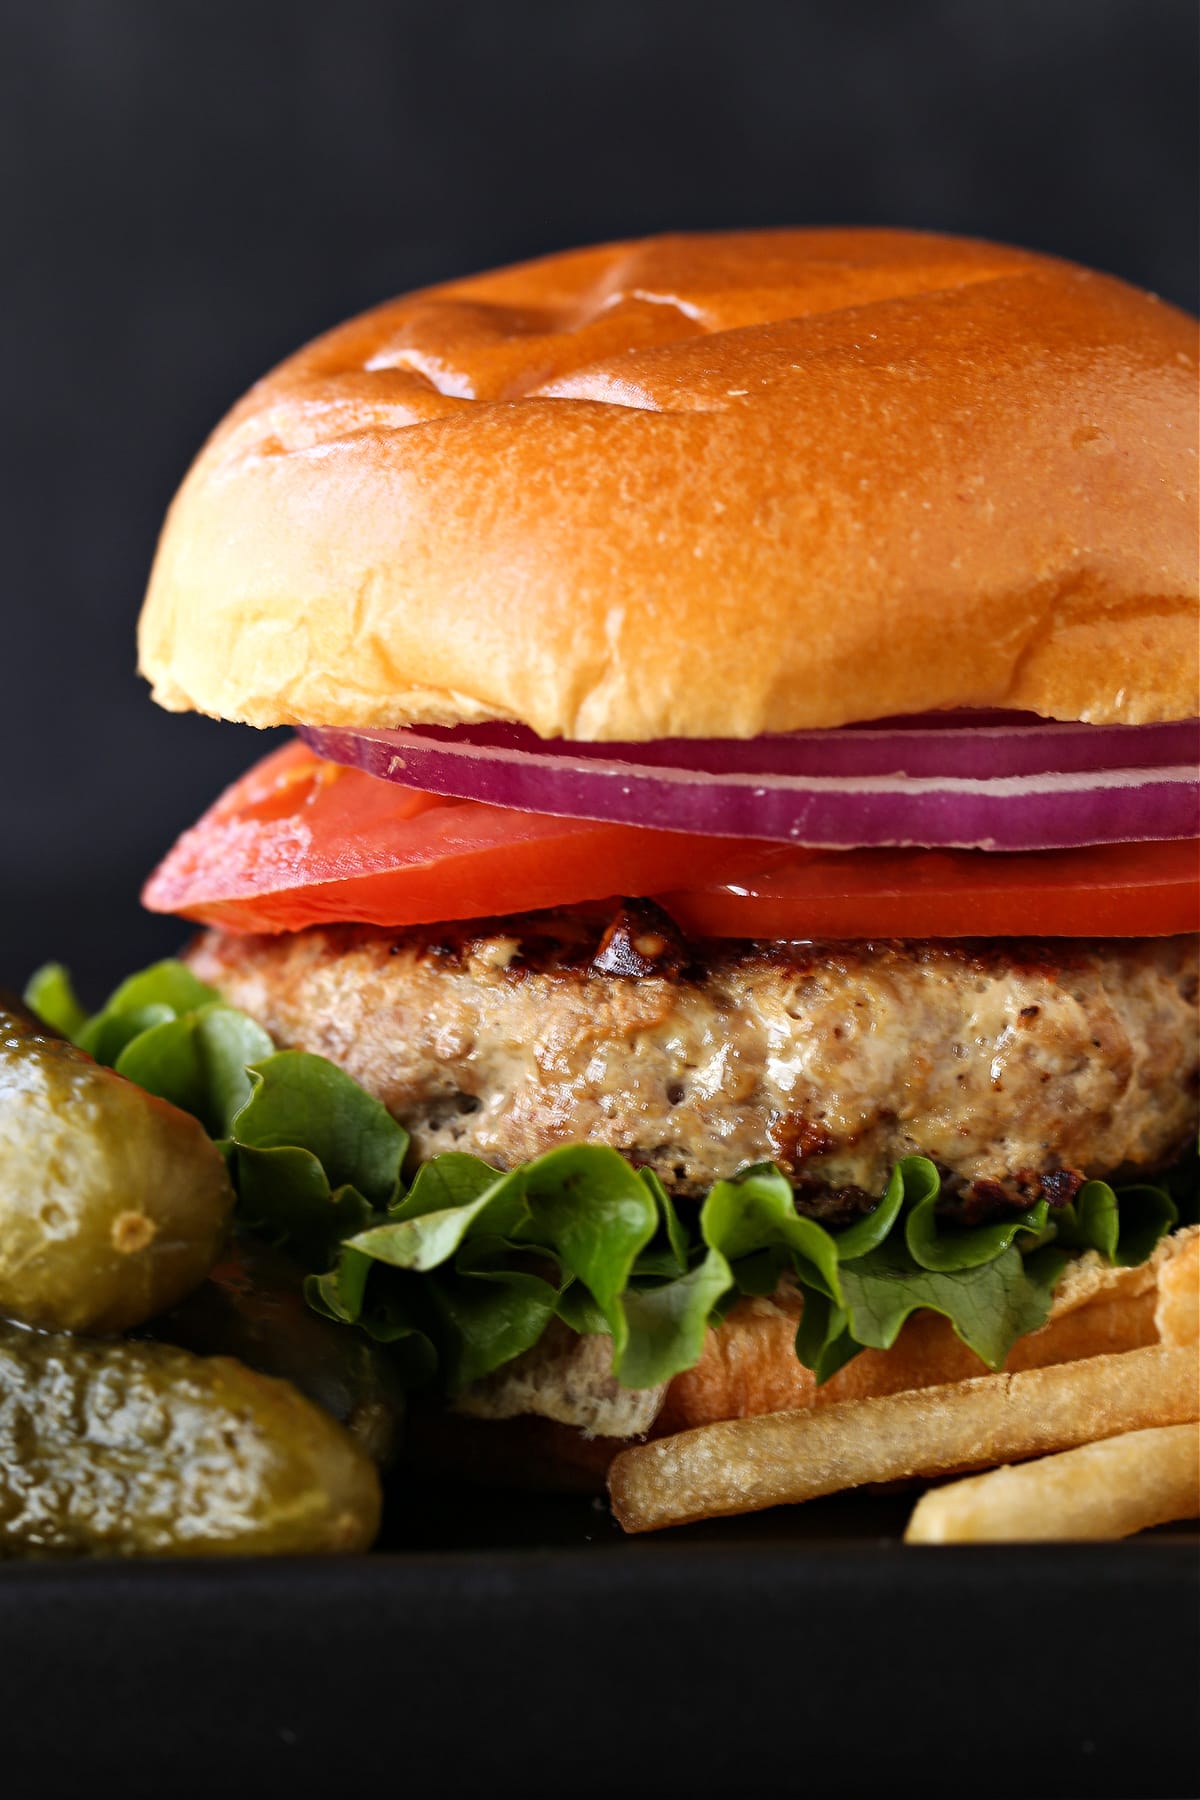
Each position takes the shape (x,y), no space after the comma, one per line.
(113,1203)
(139,1449)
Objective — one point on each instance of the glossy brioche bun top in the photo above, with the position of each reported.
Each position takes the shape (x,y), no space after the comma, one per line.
(705,485)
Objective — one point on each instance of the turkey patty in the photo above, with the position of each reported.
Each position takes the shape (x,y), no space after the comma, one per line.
(1020,1068)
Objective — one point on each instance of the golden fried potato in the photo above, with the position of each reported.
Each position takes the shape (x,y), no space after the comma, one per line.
(775,1459)
(1108,1489)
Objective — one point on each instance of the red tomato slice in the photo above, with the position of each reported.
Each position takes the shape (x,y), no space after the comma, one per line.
(1106,890)
(300,841)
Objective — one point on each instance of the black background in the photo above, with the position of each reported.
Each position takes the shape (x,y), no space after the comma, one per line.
(190,188)
(739,1658)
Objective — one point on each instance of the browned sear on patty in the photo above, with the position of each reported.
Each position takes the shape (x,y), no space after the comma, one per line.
(1019,1068)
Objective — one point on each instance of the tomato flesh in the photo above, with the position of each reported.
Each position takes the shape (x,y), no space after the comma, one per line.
(300,841)
(1105,890)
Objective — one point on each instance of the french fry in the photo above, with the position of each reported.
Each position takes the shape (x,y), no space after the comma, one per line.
(1177,1312)
(775,1459)
(1108,1489)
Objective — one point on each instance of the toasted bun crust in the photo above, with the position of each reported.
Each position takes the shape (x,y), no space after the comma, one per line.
(702,486)
(749,1365)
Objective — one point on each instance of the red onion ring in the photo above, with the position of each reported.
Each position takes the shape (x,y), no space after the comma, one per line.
(965,744)
(993,786)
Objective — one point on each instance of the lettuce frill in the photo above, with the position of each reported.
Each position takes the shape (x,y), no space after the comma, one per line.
(463,1267)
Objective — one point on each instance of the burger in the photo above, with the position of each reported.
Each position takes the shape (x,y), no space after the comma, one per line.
(725,928)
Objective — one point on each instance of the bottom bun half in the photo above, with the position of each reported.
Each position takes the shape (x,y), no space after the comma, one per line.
(555,1418)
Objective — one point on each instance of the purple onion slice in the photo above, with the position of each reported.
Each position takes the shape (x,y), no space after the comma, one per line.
(992,785)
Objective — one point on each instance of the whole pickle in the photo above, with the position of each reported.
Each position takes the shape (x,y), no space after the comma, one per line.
(252,1306)
(139,1449)
(113,1204)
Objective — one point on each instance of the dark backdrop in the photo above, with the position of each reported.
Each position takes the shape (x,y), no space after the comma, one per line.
(190,188)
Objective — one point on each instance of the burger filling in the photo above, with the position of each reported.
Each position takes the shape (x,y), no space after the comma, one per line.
(1020,1069)
(855,1084)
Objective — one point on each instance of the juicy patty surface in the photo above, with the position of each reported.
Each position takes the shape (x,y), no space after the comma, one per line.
(1020,1068)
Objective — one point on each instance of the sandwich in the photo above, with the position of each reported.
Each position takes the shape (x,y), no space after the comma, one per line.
(725,926)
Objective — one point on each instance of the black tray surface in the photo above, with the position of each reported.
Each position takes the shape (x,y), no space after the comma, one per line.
(522,1645)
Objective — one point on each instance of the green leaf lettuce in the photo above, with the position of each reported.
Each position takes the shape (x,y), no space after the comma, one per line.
(463,1267)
